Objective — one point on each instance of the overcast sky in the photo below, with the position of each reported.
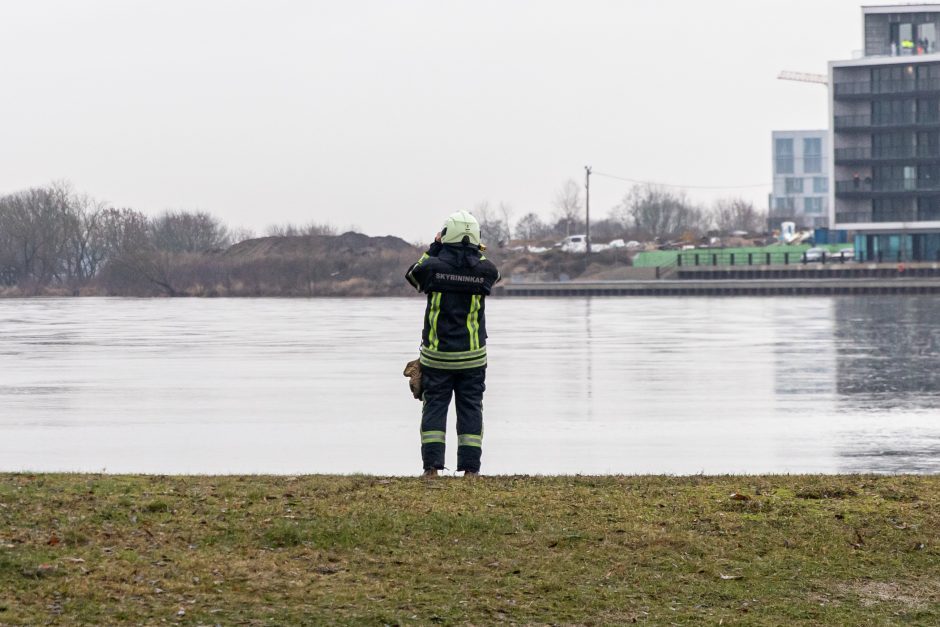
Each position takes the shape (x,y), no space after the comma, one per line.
(388,115)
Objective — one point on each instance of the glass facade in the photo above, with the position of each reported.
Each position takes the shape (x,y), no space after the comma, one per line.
(783,153)
(897,247)
(813,204)
(909,38)
(904,145)
(886,137)
(801,167)
(812,155)
(794,185)
(784,203)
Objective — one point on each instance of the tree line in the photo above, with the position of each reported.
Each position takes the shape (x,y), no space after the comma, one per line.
(646,213)
(54,236)
(55,240)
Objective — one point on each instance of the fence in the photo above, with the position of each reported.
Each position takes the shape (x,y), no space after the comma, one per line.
(736,258)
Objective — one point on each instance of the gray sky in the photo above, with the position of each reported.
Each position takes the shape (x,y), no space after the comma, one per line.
(389,115)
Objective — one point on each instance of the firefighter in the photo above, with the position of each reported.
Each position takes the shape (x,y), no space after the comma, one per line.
(457,278)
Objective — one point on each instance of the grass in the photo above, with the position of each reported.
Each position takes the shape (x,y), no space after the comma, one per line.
(104,549)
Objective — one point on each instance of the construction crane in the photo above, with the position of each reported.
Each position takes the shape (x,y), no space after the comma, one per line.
(804,77)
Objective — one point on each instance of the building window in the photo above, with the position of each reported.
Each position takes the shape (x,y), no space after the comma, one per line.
(895,178)
(902,39)
(820,185)
(893,79)
(928,208)
(897,145)
(928,110)
(892,210)
(926,39)
(812,154)
(928,144)
(893,112)
(783,153)
(783,203)
(909,39)
(793,185)
(813,204)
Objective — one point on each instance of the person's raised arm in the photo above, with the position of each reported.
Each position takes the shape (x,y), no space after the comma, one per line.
(417,273)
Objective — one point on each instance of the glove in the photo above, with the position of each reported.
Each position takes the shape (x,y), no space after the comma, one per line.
(413,372)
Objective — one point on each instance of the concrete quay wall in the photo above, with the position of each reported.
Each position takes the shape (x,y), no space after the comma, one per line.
(726,287)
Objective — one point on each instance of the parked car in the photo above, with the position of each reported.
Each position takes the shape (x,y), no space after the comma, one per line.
(844,254)
(573,244)
(814,254)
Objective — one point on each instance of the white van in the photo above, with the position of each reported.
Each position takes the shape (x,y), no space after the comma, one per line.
(574,244)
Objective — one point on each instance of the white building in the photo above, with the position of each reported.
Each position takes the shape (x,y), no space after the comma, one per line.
(801,178)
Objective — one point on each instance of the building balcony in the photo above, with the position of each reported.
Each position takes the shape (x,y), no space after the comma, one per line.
(866,154)
(868,123)
(868,188)
(867,89)
(870,216)
(853,217)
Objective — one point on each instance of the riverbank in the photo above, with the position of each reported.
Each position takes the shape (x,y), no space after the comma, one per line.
(107,549)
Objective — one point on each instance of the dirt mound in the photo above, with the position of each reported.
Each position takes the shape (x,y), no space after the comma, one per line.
(554,264)
(345,244)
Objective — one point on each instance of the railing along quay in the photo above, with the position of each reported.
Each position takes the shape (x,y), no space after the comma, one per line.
(851,271)
(728,287)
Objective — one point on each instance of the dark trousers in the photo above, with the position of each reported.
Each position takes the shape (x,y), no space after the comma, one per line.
(467,386)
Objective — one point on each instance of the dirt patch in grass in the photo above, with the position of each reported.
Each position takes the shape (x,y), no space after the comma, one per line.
(826,492)
(914,595)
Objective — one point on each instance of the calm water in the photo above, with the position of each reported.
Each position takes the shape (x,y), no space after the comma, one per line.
(574,385)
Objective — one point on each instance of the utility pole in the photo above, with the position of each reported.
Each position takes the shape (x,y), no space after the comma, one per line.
(587,207)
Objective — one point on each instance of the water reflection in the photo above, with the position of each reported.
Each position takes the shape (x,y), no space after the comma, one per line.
(632,385)
(888,379)
(887,350)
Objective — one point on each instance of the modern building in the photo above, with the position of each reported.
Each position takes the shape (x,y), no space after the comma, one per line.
(801,179)
(885,130)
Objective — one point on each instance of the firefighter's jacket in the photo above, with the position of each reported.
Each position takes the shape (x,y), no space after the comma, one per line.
(457,279)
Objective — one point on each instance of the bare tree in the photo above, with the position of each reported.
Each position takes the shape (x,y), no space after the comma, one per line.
(188,232)
(656,212)
(606,229)
(84,247)
(492,228)
(241,234)
(294,230)
(283,230)
(34,229)
(133,260)
(568,205)
(737,214)
(505,213)
(531,227)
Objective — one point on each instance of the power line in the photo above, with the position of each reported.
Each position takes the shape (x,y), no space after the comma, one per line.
(638,182)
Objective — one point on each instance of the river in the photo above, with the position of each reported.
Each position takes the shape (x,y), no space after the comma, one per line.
(575,385)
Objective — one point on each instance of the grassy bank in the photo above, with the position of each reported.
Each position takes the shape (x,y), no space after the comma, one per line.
(285,550)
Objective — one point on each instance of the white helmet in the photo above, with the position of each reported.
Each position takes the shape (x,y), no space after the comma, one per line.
(461,225)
